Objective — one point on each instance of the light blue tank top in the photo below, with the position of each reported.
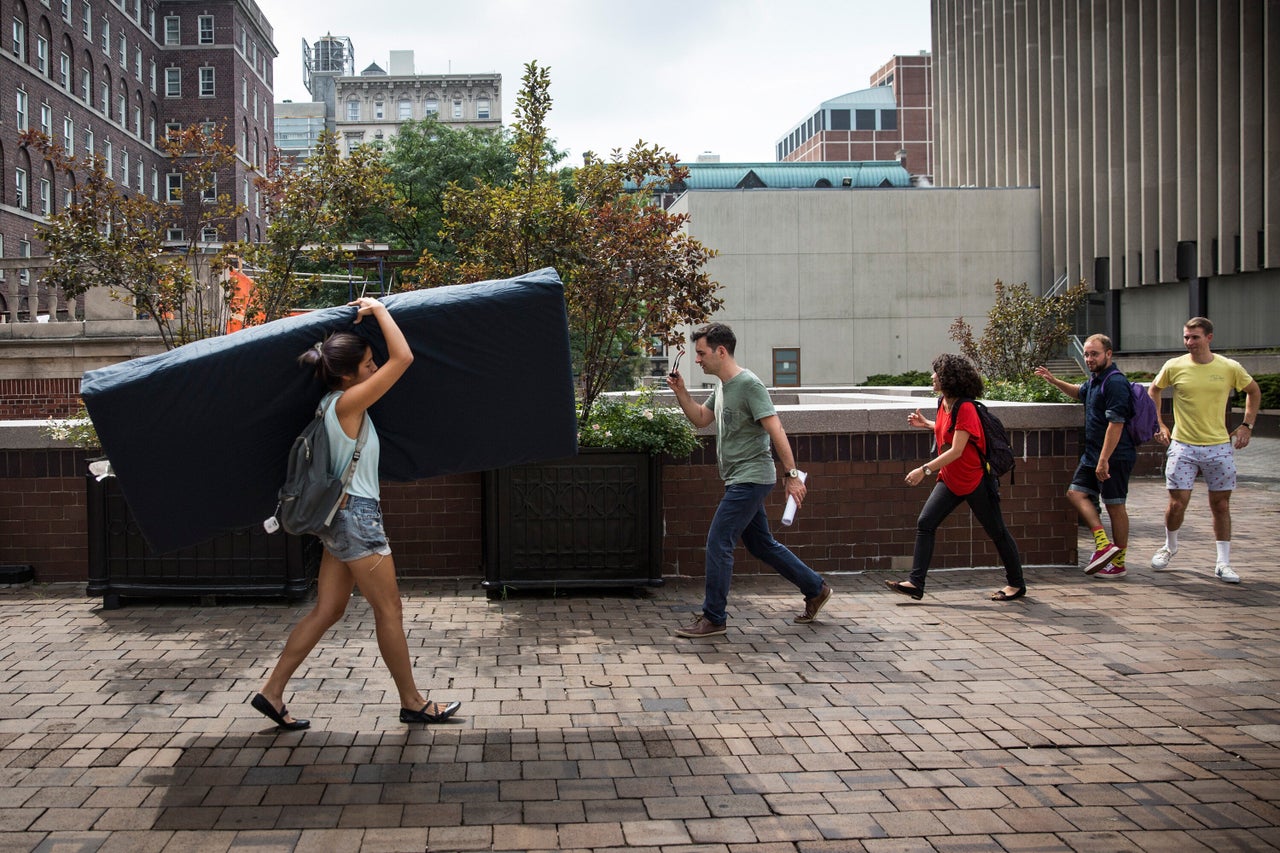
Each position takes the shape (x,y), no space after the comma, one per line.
(364,483)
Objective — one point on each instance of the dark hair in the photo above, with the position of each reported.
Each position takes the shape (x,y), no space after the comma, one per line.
(957,376)
(335,358)
(1202,323)
(717,335)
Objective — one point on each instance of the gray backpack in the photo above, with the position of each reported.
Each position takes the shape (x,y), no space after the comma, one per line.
(310,495)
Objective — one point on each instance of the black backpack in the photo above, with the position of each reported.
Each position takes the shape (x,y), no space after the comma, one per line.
(310,495)
(998,459)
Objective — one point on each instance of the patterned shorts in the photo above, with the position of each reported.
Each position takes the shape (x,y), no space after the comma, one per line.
(1216,462)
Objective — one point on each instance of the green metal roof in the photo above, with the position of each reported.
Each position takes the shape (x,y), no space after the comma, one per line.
(728,176)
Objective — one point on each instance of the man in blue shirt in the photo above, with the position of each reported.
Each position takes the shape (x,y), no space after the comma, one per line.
(1108,455)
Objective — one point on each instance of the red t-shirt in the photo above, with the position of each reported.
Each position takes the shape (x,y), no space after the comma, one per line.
(965,474)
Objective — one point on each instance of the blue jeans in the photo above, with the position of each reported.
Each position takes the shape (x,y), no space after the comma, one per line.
(985,503)
(741,516)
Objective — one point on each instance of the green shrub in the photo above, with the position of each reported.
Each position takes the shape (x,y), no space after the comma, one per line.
(911,377)
(635,423)
(1034,390)
(1270,385)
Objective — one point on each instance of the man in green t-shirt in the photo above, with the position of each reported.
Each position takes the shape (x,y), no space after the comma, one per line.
(746,425)
(1202,383)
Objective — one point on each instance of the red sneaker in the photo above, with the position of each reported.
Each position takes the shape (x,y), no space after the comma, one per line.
(1101,557)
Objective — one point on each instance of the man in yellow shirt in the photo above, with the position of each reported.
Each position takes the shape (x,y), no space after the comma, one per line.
(1200,444)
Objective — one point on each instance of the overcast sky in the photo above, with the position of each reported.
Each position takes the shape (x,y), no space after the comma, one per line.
(727,76)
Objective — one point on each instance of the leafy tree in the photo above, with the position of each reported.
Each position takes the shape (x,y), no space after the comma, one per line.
(632,276)
(311,209)
(1023,331)
(113,238)
(424,159)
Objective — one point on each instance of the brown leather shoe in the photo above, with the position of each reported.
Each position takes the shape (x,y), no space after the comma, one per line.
(813,605)
(701,627)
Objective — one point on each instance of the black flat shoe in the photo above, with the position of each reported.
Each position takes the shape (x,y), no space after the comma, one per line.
(408,715)
(1001,595)
(263,705)
(903,589)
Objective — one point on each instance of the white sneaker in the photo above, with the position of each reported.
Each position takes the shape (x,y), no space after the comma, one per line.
(1226,574)
(1160,559)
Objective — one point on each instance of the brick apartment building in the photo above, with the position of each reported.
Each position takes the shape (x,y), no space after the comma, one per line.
(891,120)
(108,78)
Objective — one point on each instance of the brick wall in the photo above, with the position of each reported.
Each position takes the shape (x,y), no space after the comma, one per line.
(859,515)
(38,399)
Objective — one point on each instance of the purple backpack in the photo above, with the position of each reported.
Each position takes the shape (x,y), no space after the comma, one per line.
(1144,423)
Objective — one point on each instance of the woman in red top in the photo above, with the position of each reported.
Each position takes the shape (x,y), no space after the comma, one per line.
(961,478)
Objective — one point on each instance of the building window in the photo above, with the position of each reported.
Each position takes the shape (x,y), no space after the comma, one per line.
(206,29)
(377,109)
(42,55)
(888,119)
(86,20)
(172,29)
(172,129)
(431,107)
(137,122)
(122,51)
(137,64)
(208,235)
(108,155)
(457,108)
(21,107)
(482,108)
(86,84)
(104,33)
(839,120)
(244,92)
(786,367)
(175,235)
(864,119)
(353,110)
(20,184)
(155,183)
(69,136)
(152,68)
(124,168)
(46,119)
(209,192)
(88,142)
(151,21)
(173,82)
(46,196)
(404,109)
(206,82)
(66,10)
(122,104)
(64,71)
(173,187)
(151,131)
(20,39)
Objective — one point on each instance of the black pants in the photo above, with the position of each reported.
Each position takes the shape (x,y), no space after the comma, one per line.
(985,503)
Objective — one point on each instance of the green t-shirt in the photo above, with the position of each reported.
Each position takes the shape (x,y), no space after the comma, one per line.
(742,445)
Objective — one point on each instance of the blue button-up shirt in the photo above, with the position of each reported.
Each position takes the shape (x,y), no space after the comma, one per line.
(1106,401)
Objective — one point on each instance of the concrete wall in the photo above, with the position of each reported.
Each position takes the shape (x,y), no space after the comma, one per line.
(863,281)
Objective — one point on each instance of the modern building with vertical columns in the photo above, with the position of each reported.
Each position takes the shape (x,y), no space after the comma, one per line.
(1153,132)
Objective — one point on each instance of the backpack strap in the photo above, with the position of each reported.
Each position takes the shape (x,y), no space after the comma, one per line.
(361,437)
(955,412)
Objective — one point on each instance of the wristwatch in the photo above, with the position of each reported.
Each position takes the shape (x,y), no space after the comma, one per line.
(928,472)
(793,473)
(1249,427)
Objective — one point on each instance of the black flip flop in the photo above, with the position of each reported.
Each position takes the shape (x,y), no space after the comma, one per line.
(1001,595)
(263,705)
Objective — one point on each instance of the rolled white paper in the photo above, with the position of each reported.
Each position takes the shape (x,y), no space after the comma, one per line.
(789,511)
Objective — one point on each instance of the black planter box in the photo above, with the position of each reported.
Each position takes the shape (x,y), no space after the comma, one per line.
(243,563)
(589,520)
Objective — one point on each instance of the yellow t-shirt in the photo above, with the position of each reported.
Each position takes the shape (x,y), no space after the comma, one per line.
(1200,395)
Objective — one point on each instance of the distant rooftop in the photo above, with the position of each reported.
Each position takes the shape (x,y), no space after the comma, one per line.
(727,176)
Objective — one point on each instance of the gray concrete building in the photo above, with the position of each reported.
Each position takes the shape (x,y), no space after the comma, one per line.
(828,286)
(1151,132)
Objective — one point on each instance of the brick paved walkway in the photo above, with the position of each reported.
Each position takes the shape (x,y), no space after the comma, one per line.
(1141,714)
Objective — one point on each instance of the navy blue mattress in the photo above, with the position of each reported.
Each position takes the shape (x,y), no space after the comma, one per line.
(198,435)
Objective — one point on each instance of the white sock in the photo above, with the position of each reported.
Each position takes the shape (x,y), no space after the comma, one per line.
(1224,551)
(1171,540)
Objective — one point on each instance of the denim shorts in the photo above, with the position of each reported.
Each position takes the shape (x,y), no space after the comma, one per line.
(356,531)
(1113,490)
